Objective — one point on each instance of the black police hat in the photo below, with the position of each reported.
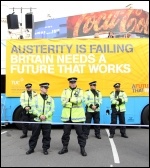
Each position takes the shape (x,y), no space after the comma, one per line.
(72,79)
(91,83)
(46,85)
(28,85)
(117,85)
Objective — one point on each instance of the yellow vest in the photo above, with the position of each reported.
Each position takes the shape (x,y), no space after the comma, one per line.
(72,105)
(89,99)
(114,100)
(26,101)
(43,107)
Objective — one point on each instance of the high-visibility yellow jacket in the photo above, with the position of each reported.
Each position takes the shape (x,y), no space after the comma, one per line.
(115,102)
(91,100)
(72,105)
(43,107)
(27,101)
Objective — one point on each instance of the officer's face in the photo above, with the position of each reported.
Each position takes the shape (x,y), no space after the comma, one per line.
(72,84)
(29,88)
(44,89)
(93,86)
(117,88)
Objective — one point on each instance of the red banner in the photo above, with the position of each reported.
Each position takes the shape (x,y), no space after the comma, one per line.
(122,20)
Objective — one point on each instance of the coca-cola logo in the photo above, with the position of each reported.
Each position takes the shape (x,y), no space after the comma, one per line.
(127,20)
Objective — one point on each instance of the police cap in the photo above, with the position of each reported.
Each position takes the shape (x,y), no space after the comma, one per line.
(117,85)
(45,85)
(28,85)
(72,79)
(92,83)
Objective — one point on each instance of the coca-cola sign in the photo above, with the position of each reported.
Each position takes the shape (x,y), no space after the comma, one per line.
(123,20)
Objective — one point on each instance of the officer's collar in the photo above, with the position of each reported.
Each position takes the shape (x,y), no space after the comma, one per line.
(72,88)
(93,89)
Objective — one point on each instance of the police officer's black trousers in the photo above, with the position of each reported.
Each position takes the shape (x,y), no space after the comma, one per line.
(67,132)
(46,131)
(121,116)
(26,118)
(96,119)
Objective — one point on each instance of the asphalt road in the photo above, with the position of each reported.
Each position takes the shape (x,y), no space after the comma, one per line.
(105,152)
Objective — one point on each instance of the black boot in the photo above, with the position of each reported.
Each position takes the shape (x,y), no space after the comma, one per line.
(98,136)
(86,136)
(124,135)
(30,151)
(64,150)
(45,151)
(111,136)
(23,136)
(83,153)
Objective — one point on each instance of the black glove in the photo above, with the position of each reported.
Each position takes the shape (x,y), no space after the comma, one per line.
(120,101)
(23,112)
(91,105)
(97,105)
(107,112)
(113,105)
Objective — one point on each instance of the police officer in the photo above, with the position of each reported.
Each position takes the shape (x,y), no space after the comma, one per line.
(110,34)
(96,35)
(93,99)
(72,112)
(118,99)
(44,108)
(26,101)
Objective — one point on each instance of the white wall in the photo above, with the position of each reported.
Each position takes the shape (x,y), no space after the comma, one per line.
(4,36)
(3,57)
(15,34)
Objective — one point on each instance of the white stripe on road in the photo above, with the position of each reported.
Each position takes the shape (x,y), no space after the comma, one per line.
(114,149)
(3,132)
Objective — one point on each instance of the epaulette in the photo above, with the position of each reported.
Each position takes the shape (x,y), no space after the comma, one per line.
(87,90)
(78,89)
(111,92)
(23,92)
(121,91)
(98,91)
(35,95)
(34,91)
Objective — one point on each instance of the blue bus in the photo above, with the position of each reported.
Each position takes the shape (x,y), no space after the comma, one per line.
(137,106)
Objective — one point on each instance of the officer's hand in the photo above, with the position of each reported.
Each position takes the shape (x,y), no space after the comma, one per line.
(94,107)
(27,108)
(67,100)
(97,105)
(120,101)
(69,105)
(42,117)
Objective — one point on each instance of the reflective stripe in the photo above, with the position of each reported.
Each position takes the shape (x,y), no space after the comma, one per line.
(77,100)
(73,118)
(36,102)
(90,99)
(78,118)
(78,94)
(64,118)
(77,107)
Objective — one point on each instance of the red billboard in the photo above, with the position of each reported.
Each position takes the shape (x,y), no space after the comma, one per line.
(121,20)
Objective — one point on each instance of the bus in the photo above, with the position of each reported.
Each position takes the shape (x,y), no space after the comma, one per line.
(130,68)
(105,60)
